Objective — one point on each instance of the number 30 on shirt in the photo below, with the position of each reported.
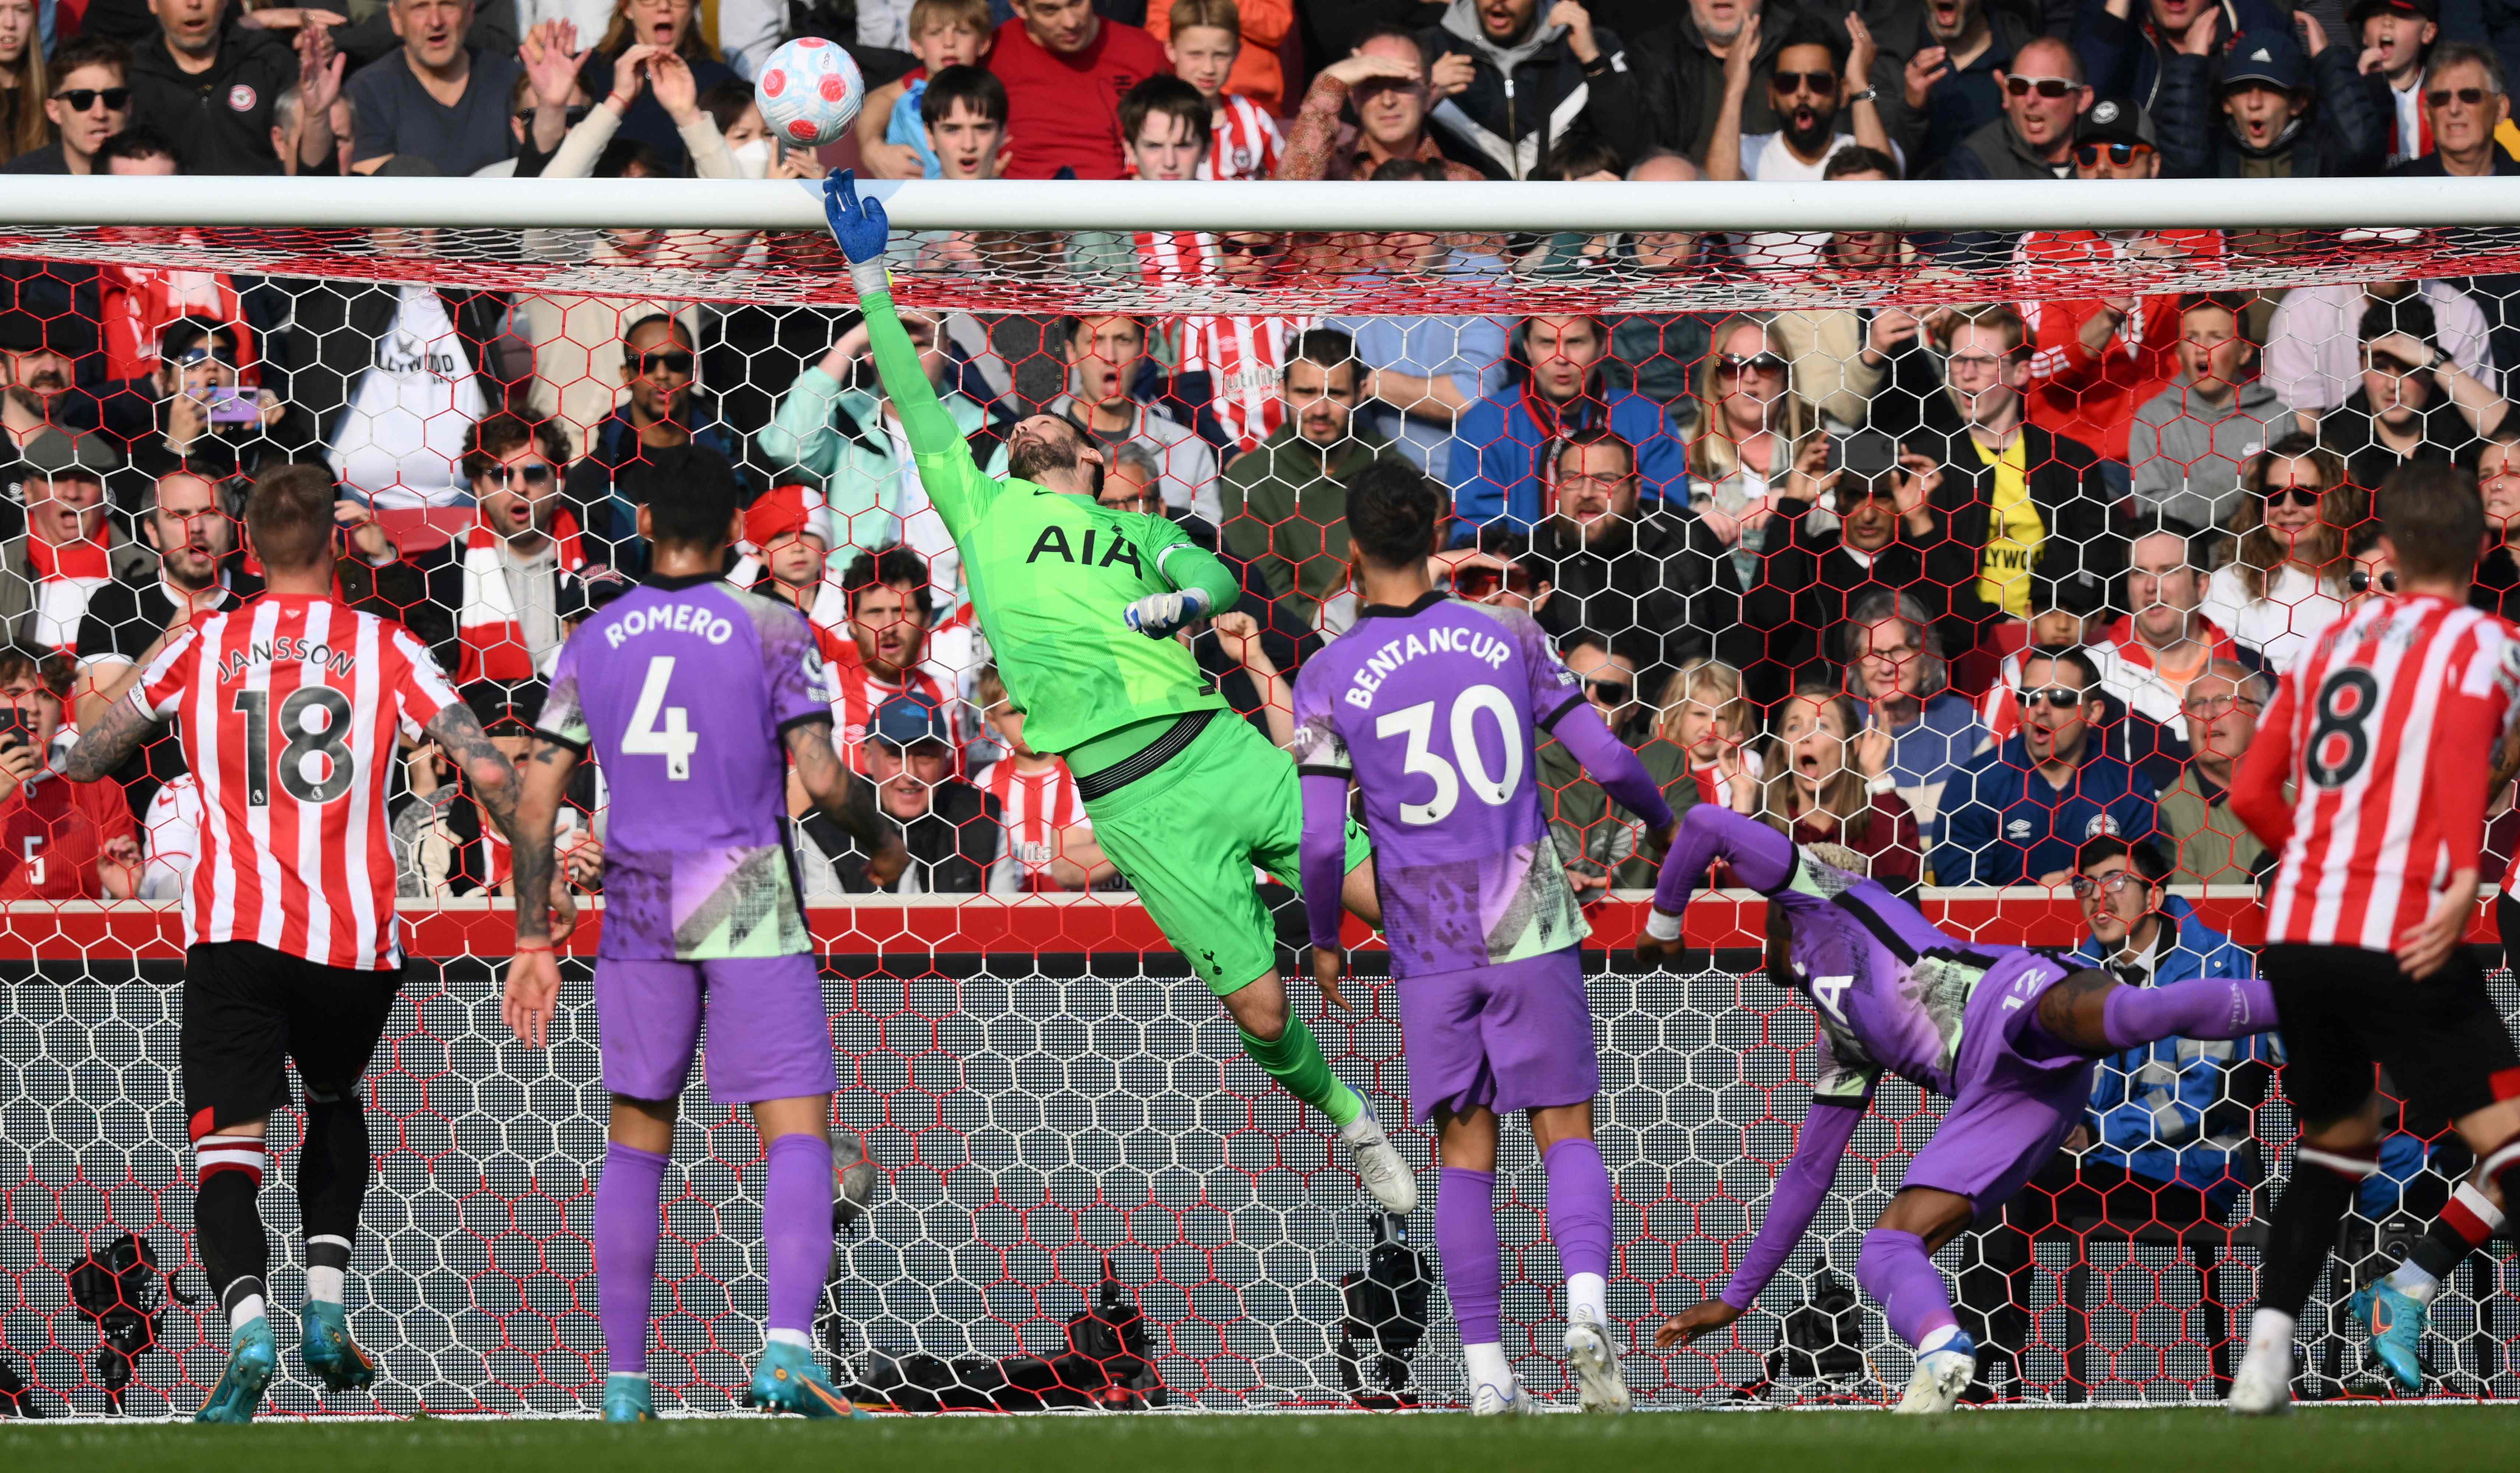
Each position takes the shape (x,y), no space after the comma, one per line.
(1417,724)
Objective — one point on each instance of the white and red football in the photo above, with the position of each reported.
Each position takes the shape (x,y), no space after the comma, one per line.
(809,92)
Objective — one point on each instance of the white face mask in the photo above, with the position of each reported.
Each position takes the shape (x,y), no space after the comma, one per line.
(752,159)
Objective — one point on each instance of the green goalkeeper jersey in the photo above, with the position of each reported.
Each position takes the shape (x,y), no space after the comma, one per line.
(1050,574)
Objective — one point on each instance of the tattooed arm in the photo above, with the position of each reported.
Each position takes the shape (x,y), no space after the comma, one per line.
(103,747)
(847,798)
(542,784)
(487,774)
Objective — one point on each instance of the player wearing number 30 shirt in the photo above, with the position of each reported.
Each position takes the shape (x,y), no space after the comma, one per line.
(290,710)
(1428,705)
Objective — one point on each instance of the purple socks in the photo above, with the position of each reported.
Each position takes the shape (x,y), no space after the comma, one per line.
(1896,1272)
(1579,1207)
(797,1227)
(2208,1007)
(626,1231)
(1466,1237)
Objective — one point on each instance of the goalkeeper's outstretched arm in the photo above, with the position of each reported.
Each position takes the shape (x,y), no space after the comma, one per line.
(953,480)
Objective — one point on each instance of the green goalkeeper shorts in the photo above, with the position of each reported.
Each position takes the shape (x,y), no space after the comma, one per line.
(1187,834)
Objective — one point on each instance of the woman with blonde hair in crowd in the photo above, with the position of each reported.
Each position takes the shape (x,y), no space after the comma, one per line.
(1758,442)
(24,82)
(1704,714)
(1832,786)
(2284,578)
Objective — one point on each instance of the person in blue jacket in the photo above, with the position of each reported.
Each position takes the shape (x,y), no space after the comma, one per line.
(1561,390)
(2168,1138)
(2017,814)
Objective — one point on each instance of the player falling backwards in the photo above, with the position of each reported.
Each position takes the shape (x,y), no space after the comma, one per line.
(1428,705)
(291,707)
(2378,730)
(695,696)
(1080,603)
(2009,1036)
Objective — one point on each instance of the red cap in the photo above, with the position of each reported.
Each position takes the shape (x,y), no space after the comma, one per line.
(782,512)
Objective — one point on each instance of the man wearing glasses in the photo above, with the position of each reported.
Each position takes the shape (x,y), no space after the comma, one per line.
(496,593)
(663,409)
(1627,573)
(2017,814)
(2208,843)
(1510,429)
(2042,94)
(2465,100)
(2166,1138)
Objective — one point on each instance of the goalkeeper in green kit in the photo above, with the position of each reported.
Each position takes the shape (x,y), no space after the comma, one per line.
(1080,603)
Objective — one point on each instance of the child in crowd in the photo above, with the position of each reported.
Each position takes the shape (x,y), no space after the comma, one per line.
(1704,714)
(892,126)
(1050,841)
(1243,139)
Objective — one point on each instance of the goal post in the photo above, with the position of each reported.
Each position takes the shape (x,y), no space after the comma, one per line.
(1039,1086)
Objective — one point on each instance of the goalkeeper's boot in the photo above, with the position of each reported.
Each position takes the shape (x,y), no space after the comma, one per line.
(252,1359)
(332,1355)
(789,1380)
(1508,1400)
(1941,1376)
(1378,1165)
(626,1398)
(1600,1384)
(2396,1323)
(2262,1386)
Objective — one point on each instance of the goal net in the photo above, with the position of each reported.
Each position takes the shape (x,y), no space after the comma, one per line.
(1867,446)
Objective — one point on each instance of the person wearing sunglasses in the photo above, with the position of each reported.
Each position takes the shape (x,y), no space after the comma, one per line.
(1814,81)
(663,409)
(191,408)
(2040,92)
(2189,442)
(88,103)
(2166,1135)
(2208,843)
(2465,101)
(2273,112)
(2014,813)
(2285,580)
(496,590)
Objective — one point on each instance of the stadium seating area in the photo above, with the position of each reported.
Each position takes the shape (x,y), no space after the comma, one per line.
(1971,590)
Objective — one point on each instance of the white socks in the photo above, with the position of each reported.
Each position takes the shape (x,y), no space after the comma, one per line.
(2411,1279)
(790,1337)
(1487,1366)
(246,1311)
(1586,1298)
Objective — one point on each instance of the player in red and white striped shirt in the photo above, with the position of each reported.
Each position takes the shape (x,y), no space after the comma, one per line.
(291,707)
(2382,730)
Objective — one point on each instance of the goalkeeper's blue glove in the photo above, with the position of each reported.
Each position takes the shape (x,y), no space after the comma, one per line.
(1158,615)
(859,225)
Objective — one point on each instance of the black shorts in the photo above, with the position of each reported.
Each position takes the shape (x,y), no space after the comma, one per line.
(2342,1009)
(249,1010)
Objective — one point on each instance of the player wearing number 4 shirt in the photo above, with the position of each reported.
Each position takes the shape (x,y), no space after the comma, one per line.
(2008,1035)
(694,696)
(289,708)
(1428,706)
(2381,732)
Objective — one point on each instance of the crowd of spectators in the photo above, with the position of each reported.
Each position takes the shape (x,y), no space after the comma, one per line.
(1957,590)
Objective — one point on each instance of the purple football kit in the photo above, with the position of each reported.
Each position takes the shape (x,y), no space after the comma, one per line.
(1429,712)
(684,689)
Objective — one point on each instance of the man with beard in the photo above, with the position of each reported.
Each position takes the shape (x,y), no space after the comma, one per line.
(1566,391)
(1626,573)
(131,620)
(1081,604)
(891,611)
(1286,502)
(496,592)
(2274,114)
(1702,46)
(1813,74)
(2017,813)
(191,411)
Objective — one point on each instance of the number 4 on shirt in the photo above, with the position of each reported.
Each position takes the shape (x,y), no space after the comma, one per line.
(675,741)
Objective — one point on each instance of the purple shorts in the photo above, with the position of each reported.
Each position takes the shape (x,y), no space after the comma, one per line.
(2016,1102)
(769,1036)
(1512,1037)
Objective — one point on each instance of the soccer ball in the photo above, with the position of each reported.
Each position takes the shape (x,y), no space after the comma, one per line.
(809,92)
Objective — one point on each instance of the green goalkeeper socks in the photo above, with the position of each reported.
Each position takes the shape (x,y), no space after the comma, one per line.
(1294,1059)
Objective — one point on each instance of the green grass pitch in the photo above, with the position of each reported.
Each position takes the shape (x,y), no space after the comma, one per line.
(2363,1440)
